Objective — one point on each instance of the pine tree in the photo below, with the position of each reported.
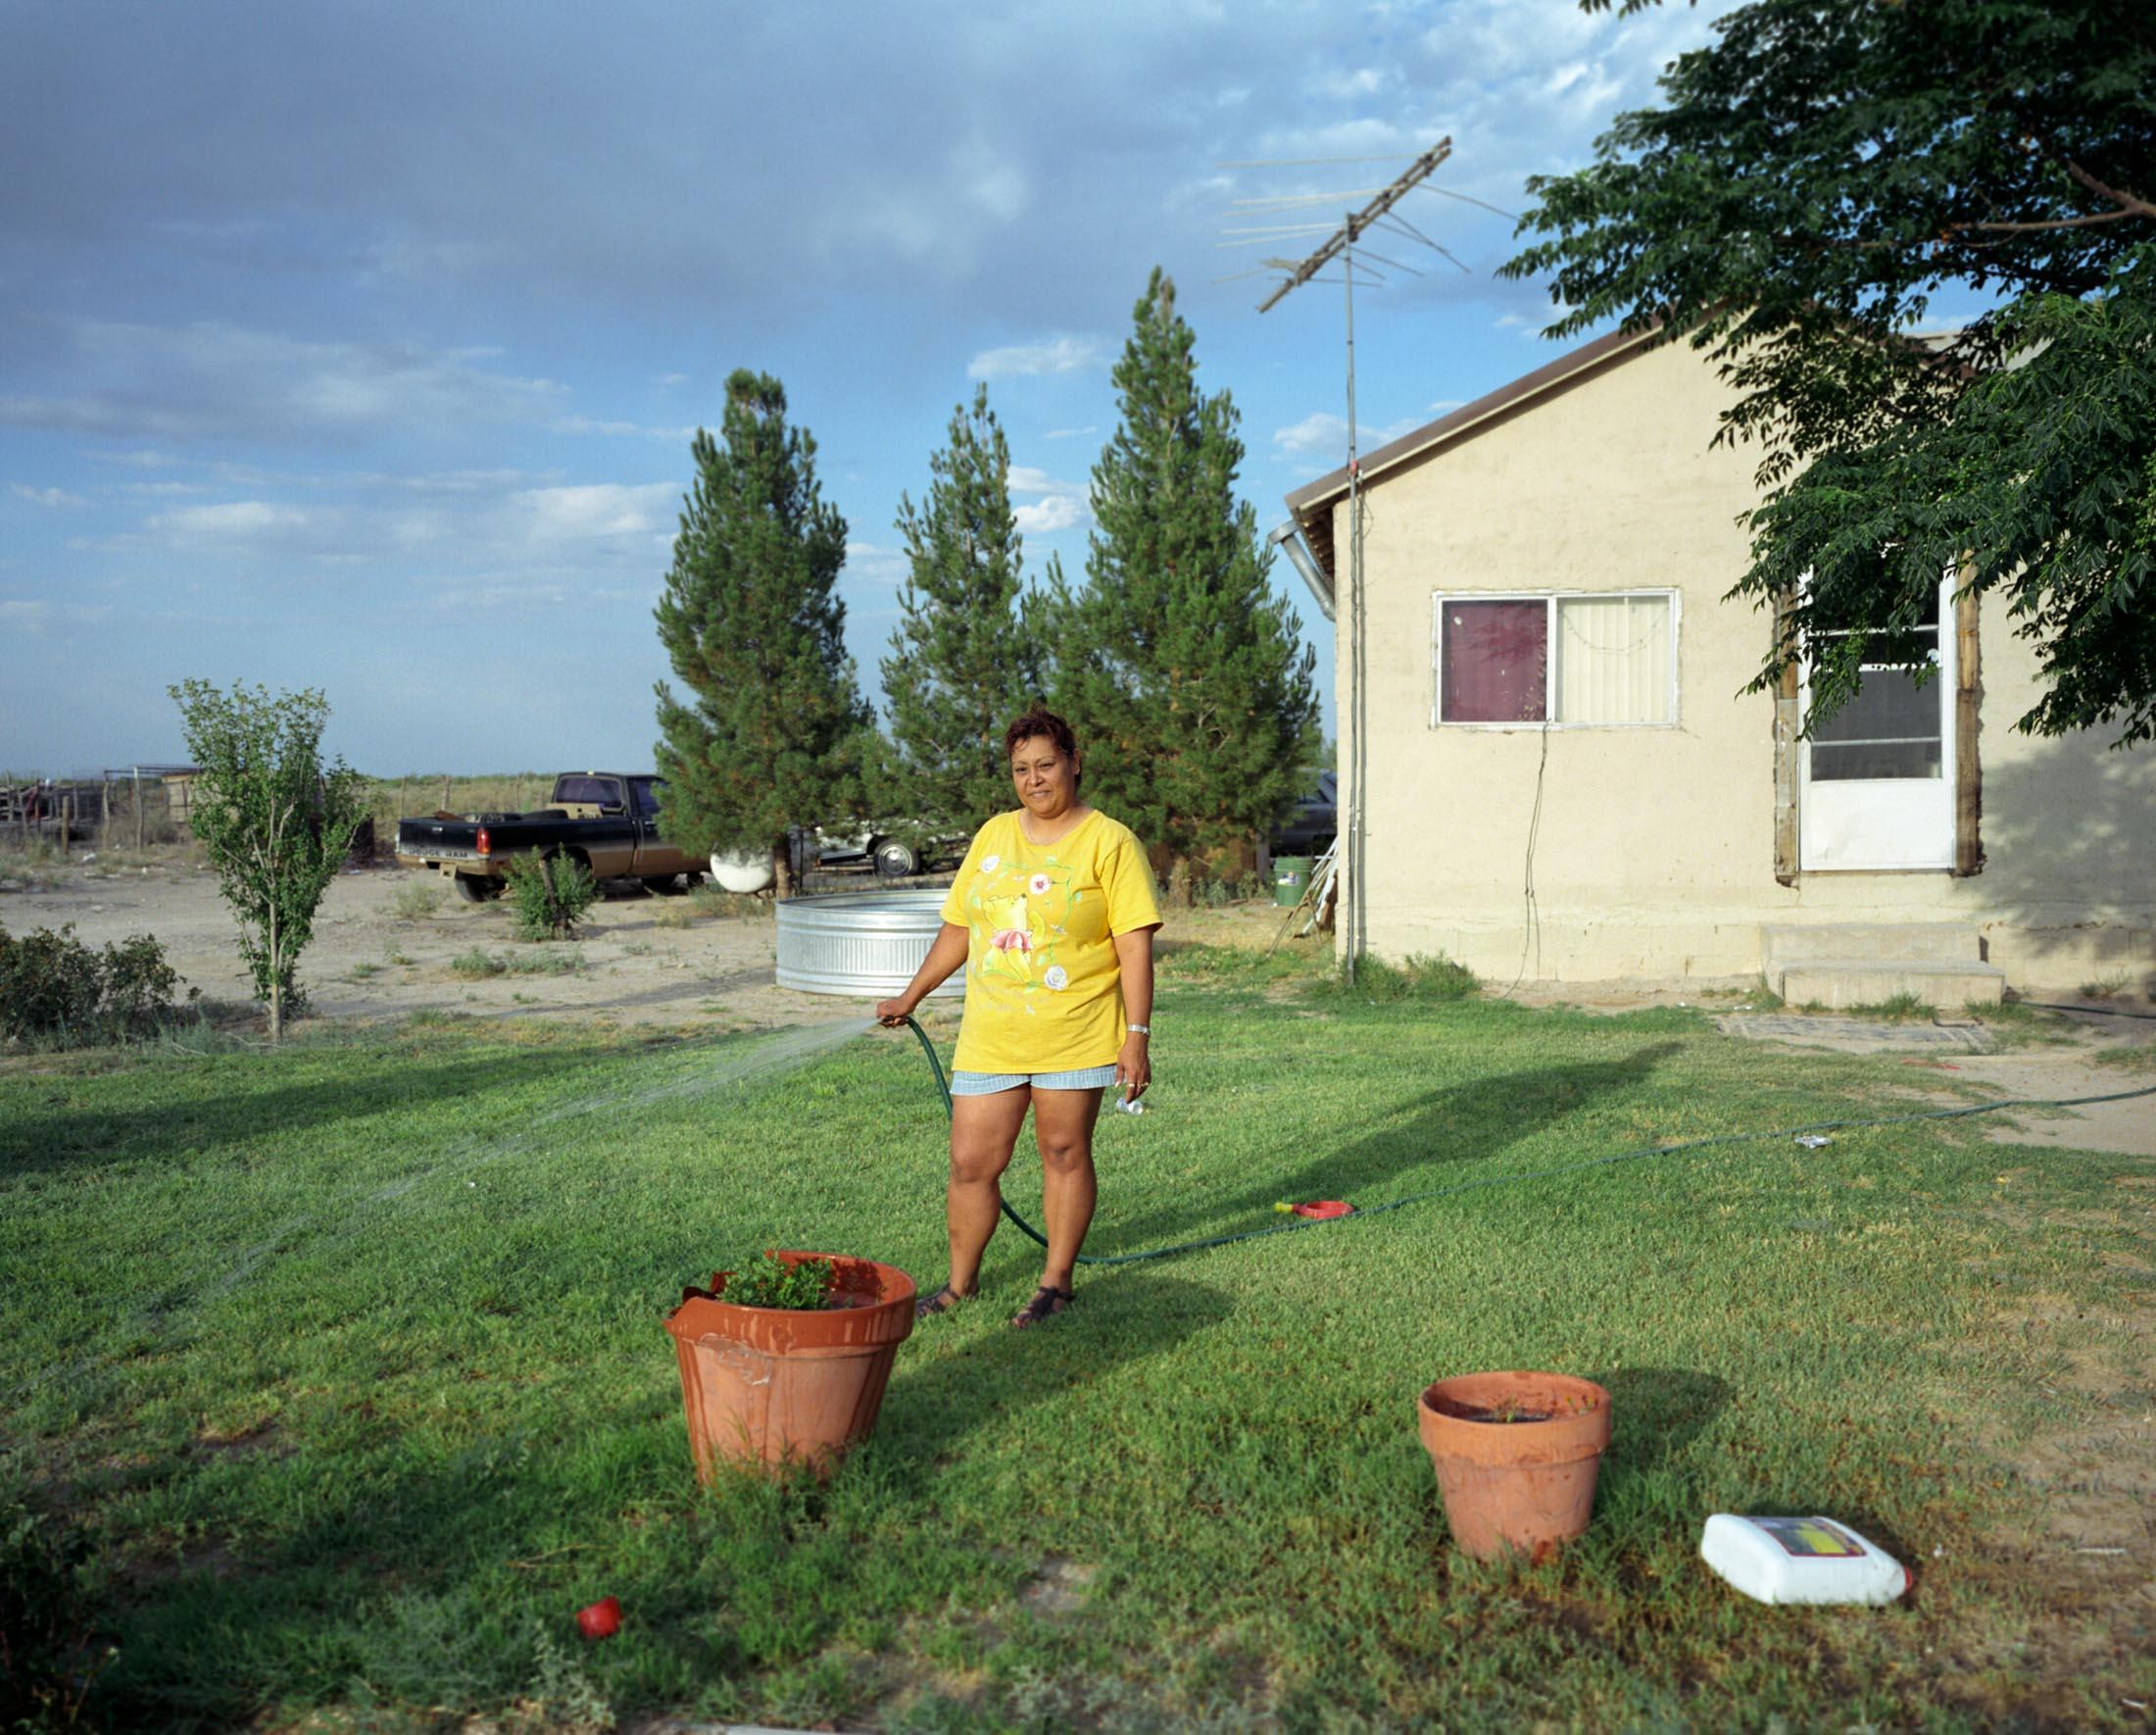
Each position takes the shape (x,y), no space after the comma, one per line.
(770,736)
(1177,662)
(968,656)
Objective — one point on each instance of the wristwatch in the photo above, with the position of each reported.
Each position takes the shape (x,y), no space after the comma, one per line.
(1141,1030)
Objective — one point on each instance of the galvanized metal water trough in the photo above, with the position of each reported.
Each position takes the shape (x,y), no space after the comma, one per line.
(865,944)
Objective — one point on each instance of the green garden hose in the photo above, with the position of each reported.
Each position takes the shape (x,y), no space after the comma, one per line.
(1025,1228)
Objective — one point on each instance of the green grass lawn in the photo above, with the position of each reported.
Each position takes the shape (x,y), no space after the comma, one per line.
(343,1368)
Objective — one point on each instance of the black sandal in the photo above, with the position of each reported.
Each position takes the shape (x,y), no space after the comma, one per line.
(942,1302)
(1048,1301)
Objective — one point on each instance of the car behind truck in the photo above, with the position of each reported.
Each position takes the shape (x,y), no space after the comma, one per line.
(606,822)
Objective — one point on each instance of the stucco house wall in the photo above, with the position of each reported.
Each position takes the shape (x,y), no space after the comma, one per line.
(1654,853)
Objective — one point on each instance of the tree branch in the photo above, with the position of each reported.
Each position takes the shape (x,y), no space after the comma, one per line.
(2129,204)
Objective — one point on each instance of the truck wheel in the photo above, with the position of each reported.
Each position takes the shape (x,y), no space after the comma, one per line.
(894,860)
(472,889)
(666,885)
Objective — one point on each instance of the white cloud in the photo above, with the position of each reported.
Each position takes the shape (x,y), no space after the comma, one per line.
(236,521)
(585,425)
(595,510)
(45,496)
(1362,82)
(1322,435)
(1056,505)
(1053,355)
(869,562)
(1056,512)
(1070,433)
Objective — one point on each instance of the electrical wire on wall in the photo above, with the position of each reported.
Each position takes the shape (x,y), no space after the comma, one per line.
(1531,919)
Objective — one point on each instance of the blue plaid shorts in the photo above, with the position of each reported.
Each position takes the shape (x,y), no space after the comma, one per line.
(987,1084)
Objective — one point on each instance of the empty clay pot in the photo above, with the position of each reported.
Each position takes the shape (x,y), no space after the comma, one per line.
(780,1386)
(1526,1483)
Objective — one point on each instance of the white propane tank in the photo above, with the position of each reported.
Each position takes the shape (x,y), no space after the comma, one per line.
(1801,1561)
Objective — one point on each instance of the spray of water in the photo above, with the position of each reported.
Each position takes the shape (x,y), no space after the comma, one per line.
(679,1073)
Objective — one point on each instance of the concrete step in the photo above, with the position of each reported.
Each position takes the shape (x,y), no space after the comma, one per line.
(1843,982)
(1898,942)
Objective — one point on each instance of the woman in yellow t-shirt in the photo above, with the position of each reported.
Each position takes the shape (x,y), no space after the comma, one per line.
(1052,916)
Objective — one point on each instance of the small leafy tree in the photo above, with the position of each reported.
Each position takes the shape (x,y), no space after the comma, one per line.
(275,821)
(967,657)
(768,736)
(1178,663)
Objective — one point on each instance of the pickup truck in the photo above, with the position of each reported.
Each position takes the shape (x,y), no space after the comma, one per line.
(607,821)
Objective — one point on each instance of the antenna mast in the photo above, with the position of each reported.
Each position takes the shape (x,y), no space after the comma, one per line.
(1340,245)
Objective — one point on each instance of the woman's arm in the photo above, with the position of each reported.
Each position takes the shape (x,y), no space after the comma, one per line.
(946,955)
(1134,958)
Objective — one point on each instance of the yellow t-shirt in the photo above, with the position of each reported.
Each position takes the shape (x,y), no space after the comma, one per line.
(1043,989)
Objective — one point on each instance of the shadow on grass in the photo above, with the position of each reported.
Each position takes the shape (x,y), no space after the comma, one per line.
(938,1401)
(1460,1124)
(1655,1413)
(35,1144)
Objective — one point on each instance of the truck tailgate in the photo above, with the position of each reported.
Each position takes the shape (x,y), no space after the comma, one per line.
(438,839)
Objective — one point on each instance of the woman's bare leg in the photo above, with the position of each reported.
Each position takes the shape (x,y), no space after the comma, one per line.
(983,1130)
(1062,1126)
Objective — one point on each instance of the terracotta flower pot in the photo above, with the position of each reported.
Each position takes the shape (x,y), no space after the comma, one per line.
(1516,1456)
(783,1386)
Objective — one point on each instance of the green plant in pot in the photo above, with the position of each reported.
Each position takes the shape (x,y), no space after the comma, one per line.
(784,1360)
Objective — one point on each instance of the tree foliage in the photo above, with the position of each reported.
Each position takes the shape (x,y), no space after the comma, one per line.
(275,821)
(968,654)
(769,734)
(1810,183)
(1177,662)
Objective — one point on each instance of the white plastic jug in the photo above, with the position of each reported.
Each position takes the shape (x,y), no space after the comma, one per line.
(1801,1561)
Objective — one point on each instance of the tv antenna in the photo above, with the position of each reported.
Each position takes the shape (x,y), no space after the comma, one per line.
(1345,244)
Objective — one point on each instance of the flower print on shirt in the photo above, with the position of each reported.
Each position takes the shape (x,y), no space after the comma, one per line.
(1013,939)
(1057,977)
(1039,885)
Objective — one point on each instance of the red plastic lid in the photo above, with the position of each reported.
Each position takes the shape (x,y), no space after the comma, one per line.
(1324,1208)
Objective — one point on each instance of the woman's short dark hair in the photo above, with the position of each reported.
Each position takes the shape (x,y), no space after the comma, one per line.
(1041,721)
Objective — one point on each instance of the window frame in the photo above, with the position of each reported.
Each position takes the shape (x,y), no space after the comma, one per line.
(1549,599)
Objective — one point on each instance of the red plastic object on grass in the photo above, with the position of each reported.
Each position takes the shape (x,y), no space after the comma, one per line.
(1321,1208)
(601,1619)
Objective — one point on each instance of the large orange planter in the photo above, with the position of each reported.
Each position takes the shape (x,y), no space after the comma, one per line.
(1525,1484)
(777,1386)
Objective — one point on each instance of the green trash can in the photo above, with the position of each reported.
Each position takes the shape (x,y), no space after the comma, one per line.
(1291,879)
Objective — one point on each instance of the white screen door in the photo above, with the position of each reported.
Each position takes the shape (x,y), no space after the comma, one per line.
(1877,777)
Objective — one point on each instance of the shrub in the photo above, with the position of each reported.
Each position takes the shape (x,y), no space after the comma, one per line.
(55,991)
(714,900)
(417,901)
(479,963)
(550,894)
(1414,977)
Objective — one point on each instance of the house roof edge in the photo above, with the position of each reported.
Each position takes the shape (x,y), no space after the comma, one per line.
(1313,497)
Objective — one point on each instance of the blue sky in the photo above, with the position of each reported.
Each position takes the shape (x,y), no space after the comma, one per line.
(360,346)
